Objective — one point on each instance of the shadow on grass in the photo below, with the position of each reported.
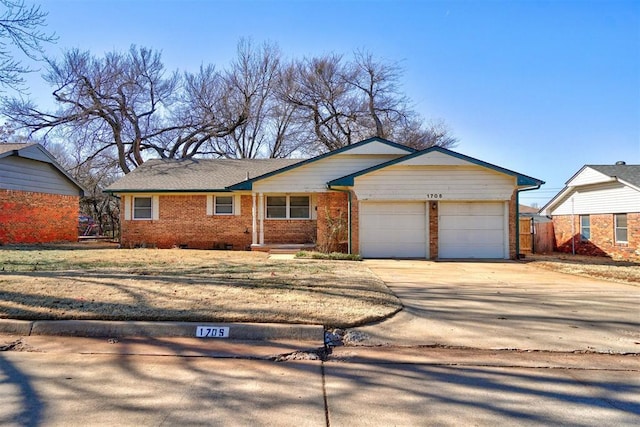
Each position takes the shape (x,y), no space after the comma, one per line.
(191,295)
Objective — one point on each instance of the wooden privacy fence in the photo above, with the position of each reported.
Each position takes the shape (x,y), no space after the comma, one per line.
(535,236)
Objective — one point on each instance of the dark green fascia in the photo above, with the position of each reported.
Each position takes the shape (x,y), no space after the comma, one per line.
(248,184)
(523,180)
(224,190)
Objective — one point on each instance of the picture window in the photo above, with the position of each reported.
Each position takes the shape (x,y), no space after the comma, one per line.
(288,207)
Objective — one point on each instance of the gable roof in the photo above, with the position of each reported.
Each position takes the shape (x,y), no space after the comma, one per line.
(194,175)
(37,152)
(248,184)
(626,174)
(523,180)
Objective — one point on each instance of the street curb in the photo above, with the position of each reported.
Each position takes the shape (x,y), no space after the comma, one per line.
(15,327)
(237,331)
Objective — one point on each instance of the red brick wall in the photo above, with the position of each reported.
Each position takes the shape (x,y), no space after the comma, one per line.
(335,205)
(27,217)
(355,224)
(433,229)
(513,225)
(602,241)
(183,221)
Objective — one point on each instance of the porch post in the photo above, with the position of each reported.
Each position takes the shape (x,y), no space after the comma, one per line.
(254,219)
(261,216)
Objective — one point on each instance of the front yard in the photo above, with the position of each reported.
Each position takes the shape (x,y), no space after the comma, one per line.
(98,282)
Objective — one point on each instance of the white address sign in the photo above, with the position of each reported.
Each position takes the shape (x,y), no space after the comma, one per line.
(212,332)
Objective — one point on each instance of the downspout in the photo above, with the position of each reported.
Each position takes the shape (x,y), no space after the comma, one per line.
(348,192)
(537,187)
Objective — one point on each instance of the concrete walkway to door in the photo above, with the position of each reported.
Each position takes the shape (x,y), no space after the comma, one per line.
(503,305)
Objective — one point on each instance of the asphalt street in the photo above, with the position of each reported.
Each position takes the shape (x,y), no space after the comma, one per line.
(68,381)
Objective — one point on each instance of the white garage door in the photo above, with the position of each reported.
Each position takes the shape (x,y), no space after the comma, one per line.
(471,230)
(393,230)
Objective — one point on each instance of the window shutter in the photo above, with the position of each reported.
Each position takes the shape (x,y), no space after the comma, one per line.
(209,205)
(127,208)
(314,204)
(155,207)
(236,204)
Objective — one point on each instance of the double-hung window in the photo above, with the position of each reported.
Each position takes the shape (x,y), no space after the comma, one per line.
(224,205)
(142,208)
(585,227)
(620,224)
(288,207)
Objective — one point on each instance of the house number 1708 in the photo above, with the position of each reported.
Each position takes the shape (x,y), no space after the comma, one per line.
(434,196)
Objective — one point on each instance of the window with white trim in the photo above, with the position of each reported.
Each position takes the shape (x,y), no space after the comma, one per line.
(288,207)
(585,227)
(620,224)
(223,205)
(142,208)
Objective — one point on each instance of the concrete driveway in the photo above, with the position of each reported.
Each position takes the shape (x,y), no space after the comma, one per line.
(503,305)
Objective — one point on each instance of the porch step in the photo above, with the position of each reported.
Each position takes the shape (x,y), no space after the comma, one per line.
(284,251)
(283,248)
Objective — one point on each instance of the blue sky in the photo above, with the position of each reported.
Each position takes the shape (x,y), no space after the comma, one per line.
(538,87)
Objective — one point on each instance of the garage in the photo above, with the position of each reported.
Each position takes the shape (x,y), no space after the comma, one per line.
(471,230)
(393,230)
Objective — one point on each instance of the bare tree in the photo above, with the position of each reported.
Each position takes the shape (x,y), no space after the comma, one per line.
(20,26)
(272,128)
(125,107)
(318,87)
(346,101)
(125,104)
(94,175)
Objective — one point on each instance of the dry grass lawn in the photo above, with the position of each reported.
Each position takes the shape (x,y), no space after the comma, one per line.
(96,281)
(596,267)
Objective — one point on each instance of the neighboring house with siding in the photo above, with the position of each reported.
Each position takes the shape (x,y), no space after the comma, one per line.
(598,212)
(39,200)
(383,199)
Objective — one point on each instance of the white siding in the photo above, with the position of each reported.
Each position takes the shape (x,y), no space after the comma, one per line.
(445,182)
(17,173)
(436,158)
(313,177)
(589,176)
(378,148)
(600,199)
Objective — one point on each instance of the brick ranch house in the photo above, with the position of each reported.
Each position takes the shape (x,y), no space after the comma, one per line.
(598,212)
(380,198)
(39,200)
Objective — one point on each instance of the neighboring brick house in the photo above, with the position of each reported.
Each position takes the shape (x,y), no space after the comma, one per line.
(376,198)
(598,212)
(39,200)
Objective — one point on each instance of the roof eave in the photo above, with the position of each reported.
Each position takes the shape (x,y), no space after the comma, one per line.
(245,185)
(187,190)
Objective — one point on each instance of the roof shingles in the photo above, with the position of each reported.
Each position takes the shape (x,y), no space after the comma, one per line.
(628,173)
(195,175)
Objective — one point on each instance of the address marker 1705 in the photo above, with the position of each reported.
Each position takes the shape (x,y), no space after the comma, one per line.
(212,332)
